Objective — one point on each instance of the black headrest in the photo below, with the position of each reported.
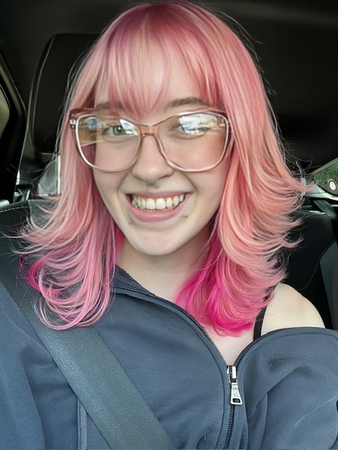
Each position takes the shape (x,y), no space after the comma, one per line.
(61,53)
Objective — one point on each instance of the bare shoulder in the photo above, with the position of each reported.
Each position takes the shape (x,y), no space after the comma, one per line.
(290,309)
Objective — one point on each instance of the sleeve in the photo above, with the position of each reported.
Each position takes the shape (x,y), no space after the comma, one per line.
(291,391)
(20,424)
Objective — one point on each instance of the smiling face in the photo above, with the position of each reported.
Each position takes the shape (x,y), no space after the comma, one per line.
(160,210)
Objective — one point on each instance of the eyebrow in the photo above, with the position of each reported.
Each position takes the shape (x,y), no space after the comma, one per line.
(105,105)
(186,101)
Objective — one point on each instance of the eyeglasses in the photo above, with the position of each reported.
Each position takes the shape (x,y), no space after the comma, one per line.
(190,142)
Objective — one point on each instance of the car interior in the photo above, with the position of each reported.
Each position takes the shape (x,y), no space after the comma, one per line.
(295,43)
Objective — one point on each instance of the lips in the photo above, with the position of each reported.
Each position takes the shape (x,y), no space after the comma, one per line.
(156,204)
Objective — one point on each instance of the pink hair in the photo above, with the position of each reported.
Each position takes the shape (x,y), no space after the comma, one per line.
(74,253)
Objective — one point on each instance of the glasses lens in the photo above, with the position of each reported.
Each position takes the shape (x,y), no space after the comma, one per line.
(195,141)
(107,143)
(192,142)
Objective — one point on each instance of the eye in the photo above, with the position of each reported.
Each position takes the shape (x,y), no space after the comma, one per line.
(117,128)
(114,130)
(195,125)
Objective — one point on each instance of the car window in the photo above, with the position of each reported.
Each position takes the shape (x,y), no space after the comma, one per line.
(327,177)
(4,112)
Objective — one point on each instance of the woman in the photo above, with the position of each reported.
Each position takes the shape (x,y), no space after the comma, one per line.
(175,204)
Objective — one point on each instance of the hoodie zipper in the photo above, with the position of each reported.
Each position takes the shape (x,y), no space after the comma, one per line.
(235,396)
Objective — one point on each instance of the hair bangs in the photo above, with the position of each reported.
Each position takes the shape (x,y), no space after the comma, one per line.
(136,71)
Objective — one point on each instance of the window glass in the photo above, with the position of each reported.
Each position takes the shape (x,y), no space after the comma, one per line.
(4,112)
(327,177)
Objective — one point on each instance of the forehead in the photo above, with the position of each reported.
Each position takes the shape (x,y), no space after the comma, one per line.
(181,82)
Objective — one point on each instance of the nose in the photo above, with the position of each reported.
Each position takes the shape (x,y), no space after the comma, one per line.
(150,165)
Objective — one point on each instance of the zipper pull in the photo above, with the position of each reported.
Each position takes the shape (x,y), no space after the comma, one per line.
(235,396)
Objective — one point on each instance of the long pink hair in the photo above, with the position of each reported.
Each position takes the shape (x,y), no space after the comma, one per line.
(71,257)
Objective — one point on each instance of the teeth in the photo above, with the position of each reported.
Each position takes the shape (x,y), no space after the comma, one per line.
(161,203)
(157,204)
(150,203)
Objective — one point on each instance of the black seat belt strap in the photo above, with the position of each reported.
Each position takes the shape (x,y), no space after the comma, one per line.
(331,212)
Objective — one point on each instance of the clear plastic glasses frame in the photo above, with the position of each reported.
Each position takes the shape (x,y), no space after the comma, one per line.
(194,141)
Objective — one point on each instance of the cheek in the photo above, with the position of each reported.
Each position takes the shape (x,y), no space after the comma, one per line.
(211,184)
(107,184)
(213,188)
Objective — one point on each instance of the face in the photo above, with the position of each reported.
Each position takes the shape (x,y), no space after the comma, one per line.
(163,211)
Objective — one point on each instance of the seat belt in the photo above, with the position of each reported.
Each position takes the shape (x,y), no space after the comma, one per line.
(99,381)
(330,211)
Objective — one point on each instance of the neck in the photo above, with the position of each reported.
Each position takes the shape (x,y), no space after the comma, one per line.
(163,275)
